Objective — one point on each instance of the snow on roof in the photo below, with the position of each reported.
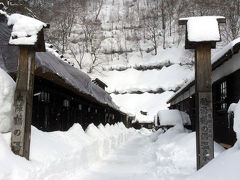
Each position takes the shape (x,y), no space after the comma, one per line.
(25,29)
(173,117)
(225,49)
(203,28)
(3,13)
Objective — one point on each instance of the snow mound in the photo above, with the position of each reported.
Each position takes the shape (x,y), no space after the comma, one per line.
(53,153)
(145,131)
(222,167)
(175,153)
(236,125)
(7,90)
(173,117)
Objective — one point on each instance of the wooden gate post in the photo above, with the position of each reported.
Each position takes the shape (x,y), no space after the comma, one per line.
(28,45)
(203,82)
(21,132)
(203,89)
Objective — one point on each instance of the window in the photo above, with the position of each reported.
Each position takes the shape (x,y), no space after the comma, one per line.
(43,96)
(80,107)
(66,103)
(223,93)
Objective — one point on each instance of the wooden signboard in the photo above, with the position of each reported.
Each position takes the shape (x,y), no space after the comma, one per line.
(203,90)
(21,132)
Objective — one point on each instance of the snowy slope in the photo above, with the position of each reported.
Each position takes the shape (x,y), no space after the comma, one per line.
(147,89)
(168,79)
(146,102)
(126,58)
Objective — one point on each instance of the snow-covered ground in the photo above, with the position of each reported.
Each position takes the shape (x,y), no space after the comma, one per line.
(56,153)
(112,152)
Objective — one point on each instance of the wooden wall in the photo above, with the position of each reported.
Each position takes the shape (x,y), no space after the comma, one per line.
(223,122)
(56,108)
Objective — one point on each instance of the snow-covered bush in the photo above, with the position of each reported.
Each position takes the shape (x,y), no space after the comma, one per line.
(7,88)
(236,124)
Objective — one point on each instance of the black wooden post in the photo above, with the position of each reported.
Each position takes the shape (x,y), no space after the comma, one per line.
(23,99)
(203,91)
(20,139)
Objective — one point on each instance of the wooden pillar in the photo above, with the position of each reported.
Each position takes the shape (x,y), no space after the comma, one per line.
(203,83)
(203,89)
(21,131)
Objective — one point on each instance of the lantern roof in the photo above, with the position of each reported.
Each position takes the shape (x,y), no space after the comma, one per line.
(26,31)
(202,29)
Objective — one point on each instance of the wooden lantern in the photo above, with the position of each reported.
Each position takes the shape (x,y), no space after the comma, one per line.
(21,131)
(203,89)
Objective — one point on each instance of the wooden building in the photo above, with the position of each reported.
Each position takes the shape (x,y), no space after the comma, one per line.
(225,89)
(63,95)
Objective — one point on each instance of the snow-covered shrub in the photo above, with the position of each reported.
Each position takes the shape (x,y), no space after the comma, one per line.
(236,124)
(7,88)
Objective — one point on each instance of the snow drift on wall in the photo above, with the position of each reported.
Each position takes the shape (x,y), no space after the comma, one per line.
(7,89)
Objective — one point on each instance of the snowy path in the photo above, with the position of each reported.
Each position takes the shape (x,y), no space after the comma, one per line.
(131,161)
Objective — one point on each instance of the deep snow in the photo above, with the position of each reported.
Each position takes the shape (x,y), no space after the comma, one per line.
(7,88)
(56,153)
(110,152)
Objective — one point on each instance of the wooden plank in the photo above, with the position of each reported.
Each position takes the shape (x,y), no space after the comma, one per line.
(204,121)
(21,131)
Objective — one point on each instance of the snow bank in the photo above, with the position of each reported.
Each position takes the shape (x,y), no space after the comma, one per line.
(53,152)
(7,89)
(232,107)
(147,80)
(173,117)
(175,153)
(225,166)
